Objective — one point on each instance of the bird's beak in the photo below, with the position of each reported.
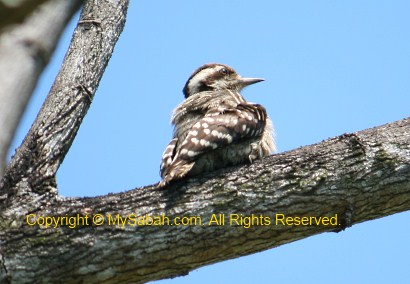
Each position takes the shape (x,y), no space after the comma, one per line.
(249,81)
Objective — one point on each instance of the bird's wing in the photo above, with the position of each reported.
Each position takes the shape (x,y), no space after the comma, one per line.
(216,130)
(167,156)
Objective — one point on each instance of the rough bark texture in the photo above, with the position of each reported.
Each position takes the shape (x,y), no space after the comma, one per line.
(359,177)
(45,146)
(25,50)
(29,179)
(353,178)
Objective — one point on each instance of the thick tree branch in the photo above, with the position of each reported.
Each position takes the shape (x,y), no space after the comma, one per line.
(45,146)
(356,177)
(352,178)
(25,50)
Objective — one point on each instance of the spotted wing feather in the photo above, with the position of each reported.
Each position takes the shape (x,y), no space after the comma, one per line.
(167,156)
(216,130)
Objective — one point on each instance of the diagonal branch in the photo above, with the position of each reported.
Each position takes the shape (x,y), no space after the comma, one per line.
(45,146)
(25,50)
(351,178)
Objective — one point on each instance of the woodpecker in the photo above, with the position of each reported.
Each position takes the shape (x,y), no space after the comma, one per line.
(215,127)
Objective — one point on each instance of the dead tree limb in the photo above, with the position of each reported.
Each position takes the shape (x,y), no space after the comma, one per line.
(25,50)
(36,161)
(354,177)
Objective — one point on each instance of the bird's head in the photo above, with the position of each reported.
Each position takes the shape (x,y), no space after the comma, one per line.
(213,77)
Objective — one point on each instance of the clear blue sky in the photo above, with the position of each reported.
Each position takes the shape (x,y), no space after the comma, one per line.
(331,67)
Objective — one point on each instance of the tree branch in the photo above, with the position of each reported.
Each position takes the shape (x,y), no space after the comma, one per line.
(353,178)
(25,50)
(45,146)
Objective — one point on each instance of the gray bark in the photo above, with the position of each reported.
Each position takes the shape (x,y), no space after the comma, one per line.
(38,158)
(353,178)
(356,177)
(25,50)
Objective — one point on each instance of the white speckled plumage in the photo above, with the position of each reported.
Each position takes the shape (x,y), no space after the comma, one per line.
(215,127)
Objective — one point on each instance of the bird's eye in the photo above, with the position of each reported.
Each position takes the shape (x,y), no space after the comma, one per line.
(224,71)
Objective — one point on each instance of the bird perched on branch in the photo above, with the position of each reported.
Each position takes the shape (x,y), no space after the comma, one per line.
(215,127)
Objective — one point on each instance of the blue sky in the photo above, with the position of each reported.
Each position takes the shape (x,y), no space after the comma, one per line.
(331,67)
